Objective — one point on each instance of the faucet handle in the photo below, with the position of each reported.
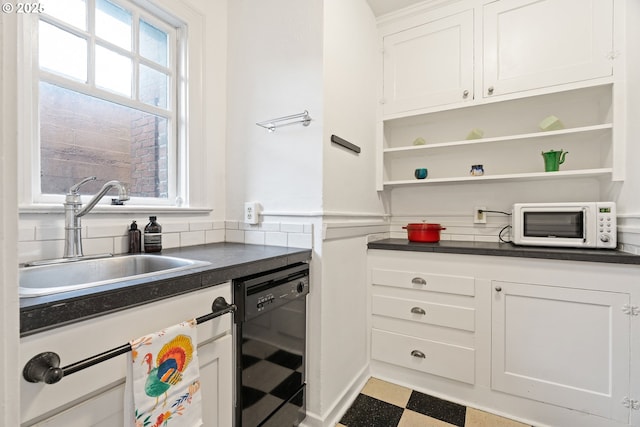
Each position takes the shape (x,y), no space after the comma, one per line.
(74,188)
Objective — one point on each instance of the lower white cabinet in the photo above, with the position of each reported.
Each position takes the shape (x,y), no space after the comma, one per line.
(546,342)
(563,346)
(424,321)
(95,396)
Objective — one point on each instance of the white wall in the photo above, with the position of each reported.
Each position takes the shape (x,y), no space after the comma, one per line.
(351,65)
(627,193)
(9,323)
(275,70)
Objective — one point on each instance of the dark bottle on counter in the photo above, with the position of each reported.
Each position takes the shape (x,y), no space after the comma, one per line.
(152,236)
(135,239)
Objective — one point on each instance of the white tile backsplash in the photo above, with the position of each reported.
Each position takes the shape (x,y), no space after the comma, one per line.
(169,240)
(26,234)
(45,242)
(98,246)
(300,240)
(292,228)
(52,233)
(276,238)
(201,226)
(234,235)
(254,237)
(191,238)
(214,236)
(232,225)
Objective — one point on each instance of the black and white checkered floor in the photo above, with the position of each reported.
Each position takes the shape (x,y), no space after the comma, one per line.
(382,404)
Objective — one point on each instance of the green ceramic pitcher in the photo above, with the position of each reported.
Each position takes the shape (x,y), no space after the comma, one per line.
(553,159)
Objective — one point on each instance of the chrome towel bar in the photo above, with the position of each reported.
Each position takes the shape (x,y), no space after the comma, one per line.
(45,367)
(273,124)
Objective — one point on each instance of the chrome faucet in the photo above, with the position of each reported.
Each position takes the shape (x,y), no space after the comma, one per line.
(73,211)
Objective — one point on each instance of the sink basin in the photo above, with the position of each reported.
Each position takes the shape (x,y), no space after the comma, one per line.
(68,276)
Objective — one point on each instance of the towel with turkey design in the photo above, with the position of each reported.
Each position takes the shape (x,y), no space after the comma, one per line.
(163,383)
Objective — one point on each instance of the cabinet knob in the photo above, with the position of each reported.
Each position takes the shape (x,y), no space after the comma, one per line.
(418,281)
(419,354)
(490,90)
(418,310)
(465,94)
(498,288)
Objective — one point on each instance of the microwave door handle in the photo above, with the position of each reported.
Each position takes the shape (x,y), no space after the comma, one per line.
(584,224)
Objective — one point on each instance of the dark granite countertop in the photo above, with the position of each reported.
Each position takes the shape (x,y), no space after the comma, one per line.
(508,250)
(227,261)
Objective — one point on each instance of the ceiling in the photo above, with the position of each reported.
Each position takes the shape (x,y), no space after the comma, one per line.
(380,7)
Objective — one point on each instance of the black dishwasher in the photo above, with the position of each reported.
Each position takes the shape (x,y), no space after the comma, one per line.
(270,344)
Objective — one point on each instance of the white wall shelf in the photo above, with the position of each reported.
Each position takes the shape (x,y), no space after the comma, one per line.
(572,131)
(584,173)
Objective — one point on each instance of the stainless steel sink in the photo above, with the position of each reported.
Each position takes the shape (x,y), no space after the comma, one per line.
(55,278)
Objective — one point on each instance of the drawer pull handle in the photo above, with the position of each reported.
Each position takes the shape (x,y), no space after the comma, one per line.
(418,310)
(419,354)
(418,281)
(498,289)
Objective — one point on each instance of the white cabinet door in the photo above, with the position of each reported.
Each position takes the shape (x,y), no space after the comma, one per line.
(531,44)
(216,378)
(567,347)
(429,65)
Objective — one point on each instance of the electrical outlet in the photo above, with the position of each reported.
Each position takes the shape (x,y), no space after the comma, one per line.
(479,215)
(251,212)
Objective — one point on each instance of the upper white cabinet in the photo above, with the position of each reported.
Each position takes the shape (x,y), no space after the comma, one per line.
(531,44)
(429,65)
(474,79)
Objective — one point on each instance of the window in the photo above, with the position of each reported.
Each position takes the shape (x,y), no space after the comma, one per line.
(108,99)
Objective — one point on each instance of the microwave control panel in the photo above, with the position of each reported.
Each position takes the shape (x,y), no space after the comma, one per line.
(607,225)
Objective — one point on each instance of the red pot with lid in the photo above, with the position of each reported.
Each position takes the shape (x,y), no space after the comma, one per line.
(424,232)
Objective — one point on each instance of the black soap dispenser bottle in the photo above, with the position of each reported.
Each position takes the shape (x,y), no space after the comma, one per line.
(135,239)
(152,236)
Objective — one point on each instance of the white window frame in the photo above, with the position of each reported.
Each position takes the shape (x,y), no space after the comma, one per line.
(188,85)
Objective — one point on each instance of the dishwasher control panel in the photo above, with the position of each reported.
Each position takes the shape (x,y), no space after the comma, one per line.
(277,296)
(261,294)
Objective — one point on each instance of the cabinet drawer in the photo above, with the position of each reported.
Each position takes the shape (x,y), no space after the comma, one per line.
(457,363)
(461,285)
(425,312)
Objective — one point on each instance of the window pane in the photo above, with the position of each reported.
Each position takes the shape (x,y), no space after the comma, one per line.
(154,43)
(82,136)
(72,12)
(62,52)
(113,24)
(153,87)
(113,71)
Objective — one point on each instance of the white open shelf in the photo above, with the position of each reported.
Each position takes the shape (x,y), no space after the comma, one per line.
(584,129)
(583,173)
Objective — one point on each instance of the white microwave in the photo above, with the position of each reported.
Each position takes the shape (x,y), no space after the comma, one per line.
(574,224)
